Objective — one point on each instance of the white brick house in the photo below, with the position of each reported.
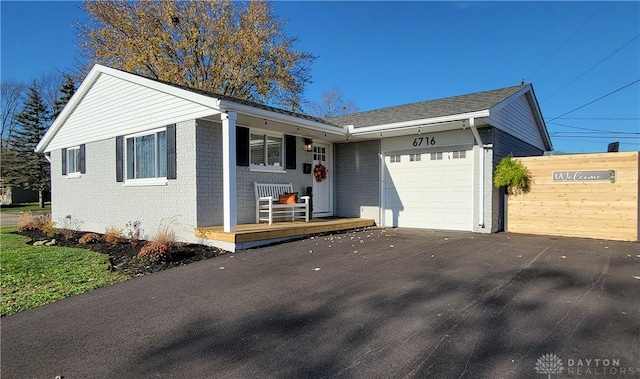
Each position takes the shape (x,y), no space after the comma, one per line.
(128,148)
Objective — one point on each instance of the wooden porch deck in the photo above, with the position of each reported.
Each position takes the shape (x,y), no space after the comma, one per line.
(254,233)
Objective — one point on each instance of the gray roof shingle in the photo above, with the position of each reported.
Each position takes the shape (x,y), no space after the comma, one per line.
(473,102)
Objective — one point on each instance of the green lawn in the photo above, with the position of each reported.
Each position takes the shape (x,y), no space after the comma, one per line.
(25,207)
(33,276)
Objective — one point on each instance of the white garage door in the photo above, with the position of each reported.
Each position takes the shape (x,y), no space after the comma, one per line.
(429,190)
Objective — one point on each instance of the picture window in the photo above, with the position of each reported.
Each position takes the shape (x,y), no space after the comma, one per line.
(146,156)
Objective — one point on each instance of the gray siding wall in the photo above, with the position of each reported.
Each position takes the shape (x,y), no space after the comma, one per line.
(95,201)
(517,119)
(356,178)
(503,145)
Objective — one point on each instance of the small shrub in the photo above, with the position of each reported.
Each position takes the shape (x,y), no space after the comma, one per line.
(134,233)
(89,238)
(165,233)
(26,222)
(113,235)
(69,227)
(512,174)
(43,223)
(48,227)
(155,251)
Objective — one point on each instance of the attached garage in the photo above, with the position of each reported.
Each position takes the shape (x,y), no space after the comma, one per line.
(429,189)
(430,164)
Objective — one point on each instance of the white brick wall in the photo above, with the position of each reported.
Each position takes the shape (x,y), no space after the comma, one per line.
(97,201)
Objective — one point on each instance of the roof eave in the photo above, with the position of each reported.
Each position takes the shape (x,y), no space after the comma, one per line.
(373,129)
(231,106)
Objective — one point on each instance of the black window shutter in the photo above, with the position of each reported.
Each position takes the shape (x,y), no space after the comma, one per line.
(119,159)
(242,146)
(290,152)
(64,161)
(83,169)
(171,152)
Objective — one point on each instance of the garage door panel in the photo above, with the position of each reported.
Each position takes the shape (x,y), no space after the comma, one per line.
(435,176)
(436,199)
(434,194)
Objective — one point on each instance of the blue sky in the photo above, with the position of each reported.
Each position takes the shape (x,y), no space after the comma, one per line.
(388,53)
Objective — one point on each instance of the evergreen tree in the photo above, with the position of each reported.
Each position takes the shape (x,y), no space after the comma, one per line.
(22,166)
(66,92)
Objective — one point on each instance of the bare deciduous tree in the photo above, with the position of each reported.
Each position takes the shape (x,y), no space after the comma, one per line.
(333,104)
(229,48)
(13,95)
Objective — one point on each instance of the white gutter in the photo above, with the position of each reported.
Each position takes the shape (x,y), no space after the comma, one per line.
(417,123)
(476,135)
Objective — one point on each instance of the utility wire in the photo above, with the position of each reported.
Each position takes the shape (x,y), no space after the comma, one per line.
(591,68)
(630,134)
(599,137)
(581,128)
(593,101)
(598,118)
(566,40)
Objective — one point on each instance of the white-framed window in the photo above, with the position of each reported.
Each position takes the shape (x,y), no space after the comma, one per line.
(146,155)
(395,158)
(460,154)
(266,150)
(415,157)
(73,161)
(436,156)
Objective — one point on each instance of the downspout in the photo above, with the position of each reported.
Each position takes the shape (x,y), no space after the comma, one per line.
(476,135)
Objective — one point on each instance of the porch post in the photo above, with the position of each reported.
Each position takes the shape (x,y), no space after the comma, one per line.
(229,171)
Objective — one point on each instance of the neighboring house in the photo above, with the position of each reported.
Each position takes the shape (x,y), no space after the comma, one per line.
(128,148)
(16,195)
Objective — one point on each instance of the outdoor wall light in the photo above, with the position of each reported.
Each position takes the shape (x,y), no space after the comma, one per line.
(308,144)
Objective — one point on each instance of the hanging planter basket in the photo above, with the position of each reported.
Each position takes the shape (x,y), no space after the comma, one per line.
(320,173)
(512,174)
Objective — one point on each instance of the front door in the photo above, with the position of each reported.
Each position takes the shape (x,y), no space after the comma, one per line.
(322,183)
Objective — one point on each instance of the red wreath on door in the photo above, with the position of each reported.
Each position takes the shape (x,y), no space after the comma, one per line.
(320,173)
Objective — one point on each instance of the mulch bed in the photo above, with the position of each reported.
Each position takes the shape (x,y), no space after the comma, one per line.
(123,255)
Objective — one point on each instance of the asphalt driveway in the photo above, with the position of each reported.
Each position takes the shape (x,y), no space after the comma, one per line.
(372,304)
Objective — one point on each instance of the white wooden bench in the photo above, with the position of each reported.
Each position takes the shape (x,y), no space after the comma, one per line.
(268,206)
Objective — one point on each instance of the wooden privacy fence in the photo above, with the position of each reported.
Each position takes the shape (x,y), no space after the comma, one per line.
(579,195)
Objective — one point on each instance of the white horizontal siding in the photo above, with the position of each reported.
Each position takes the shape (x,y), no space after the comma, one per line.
(114,107)
(517,119)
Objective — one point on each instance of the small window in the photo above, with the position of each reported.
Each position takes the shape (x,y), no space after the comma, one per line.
(73,160)
(320,153)
(147,156)
(266,150)
(461,154)
(394,159)
(436,156)
(415,157)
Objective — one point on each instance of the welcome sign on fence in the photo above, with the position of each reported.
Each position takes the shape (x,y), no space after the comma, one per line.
(584,176)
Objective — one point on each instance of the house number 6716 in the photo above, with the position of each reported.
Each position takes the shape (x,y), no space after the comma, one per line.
(426,140)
